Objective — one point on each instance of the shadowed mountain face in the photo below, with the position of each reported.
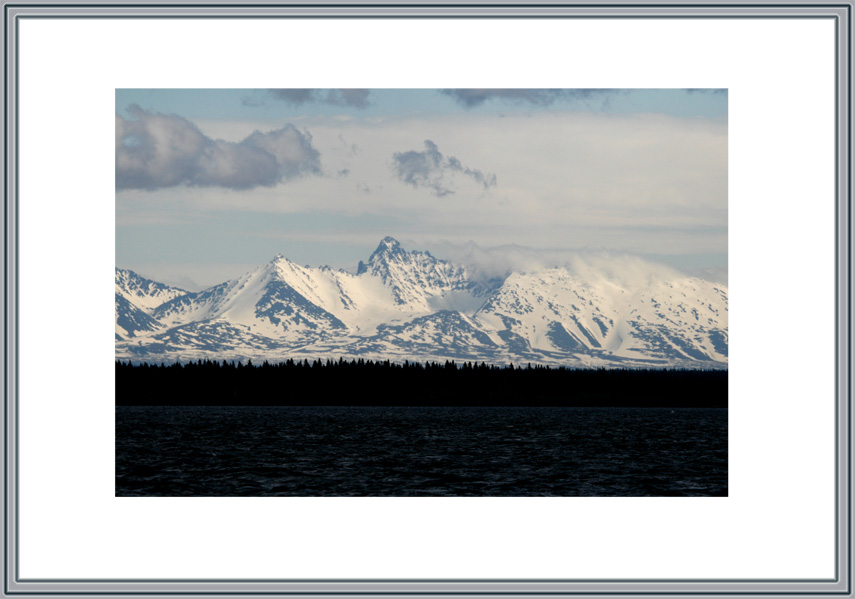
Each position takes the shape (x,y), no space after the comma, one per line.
(409,305)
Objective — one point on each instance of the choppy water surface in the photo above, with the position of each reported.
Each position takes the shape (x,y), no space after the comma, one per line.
(398,451)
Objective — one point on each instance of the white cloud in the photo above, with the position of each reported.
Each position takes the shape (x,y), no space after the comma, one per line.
(496,262)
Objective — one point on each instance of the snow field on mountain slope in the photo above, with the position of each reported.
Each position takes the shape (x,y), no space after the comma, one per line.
(192,307)
(360,302)
(532,301)
(239,304)
(143,293)
(603,314)
(364,302)
(688,308)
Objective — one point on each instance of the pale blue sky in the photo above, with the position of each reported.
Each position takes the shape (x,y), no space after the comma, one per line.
(211,183)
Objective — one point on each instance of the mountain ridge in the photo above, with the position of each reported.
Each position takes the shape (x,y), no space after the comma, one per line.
(409,305)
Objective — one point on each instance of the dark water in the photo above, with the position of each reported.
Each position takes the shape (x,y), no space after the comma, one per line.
(395,451)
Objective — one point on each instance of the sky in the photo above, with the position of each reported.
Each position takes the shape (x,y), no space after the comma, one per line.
(213,183)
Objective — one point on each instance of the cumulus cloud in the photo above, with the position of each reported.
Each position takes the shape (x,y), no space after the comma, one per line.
(355,98)
(154,151)
(469,98)
(432,170)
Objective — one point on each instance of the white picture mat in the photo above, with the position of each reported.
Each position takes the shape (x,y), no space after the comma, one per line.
(778,520)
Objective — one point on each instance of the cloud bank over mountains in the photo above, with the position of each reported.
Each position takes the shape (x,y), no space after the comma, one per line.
(314,175)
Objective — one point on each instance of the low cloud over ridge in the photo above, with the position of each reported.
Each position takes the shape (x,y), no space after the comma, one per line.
(430,169)
(487,264)
(155,151)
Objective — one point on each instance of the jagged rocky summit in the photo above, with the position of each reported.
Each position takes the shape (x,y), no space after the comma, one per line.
(409,305)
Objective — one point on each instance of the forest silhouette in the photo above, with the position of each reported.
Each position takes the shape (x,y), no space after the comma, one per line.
(360,382)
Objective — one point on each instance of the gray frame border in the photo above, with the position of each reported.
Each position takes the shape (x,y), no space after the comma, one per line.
(839,11)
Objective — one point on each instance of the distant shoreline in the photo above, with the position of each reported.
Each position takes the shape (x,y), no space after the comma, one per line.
(370,383)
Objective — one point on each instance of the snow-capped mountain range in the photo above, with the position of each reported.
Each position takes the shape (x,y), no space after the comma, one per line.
(409,305)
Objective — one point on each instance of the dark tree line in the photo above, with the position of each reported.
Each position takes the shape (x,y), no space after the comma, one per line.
(383,383)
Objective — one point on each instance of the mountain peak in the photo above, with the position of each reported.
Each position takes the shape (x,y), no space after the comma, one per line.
(389,248)
(388,244)
(413,276)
